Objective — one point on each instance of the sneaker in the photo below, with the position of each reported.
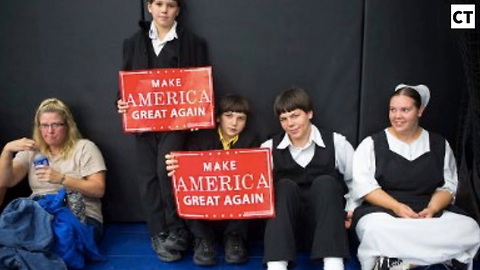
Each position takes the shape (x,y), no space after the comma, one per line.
(385,263)
(235,250)
(454,264)
(164,254)
(178,240)
(378,263)
(204,253)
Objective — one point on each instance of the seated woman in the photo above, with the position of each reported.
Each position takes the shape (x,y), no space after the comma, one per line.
(75,164)
(407,178)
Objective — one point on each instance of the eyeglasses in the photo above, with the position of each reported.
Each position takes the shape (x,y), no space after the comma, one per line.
(52,125)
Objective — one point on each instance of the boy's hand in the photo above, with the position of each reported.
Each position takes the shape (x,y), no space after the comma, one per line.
(122,106)
(171,164)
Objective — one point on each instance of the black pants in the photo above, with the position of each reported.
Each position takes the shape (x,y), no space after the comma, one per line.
(317,210)
(154,184)
(205,228)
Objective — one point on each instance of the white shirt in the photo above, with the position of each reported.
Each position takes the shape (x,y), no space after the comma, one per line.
(158,43)
(364,168)
(302,156)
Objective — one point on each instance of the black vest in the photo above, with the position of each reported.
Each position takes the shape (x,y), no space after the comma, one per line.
(168,57)
(410,182)
(322,163)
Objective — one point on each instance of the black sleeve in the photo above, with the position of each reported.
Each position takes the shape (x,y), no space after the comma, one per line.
(126,62)
(127,54)
(196,141)
(193,50)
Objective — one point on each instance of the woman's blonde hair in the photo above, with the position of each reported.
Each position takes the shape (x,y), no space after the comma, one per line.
(54,105)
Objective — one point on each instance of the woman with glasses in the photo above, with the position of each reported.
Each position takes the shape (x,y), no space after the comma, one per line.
(72,162)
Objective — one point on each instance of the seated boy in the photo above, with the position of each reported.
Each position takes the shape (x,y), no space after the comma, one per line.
(312,169)
(231,116)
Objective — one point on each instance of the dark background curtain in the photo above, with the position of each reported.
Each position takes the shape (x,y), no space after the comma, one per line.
(468,149)
(348,55)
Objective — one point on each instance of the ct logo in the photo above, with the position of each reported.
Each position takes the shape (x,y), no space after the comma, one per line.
(463,16)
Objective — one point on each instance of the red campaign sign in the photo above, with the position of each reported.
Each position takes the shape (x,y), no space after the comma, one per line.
(224,184)
(167,99)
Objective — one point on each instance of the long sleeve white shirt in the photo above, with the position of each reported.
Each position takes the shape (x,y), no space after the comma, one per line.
(303,155)
(364,168)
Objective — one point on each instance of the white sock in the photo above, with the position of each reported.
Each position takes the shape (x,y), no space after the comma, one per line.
(333,263)
(277,265)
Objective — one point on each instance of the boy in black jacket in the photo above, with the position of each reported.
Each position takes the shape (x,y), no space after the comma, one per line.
(161,43)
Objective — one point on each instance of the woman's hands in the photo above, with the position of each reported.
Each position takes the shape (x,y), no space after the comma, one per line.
(46,173)
(404,211)
(23,144)
(439,200)
(427,213)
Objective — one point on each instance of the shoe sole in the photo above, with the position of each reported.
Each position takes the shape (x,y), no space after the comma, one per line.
(176,247)
(170,259)
(204,263)
(235,261)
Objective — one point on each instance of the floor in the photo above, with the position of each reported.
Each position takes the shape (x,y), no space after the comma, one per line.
(127,246)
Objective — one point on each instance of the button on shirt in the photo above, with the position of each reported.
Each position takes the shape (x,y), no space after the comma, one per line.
(303,155)
(157,43)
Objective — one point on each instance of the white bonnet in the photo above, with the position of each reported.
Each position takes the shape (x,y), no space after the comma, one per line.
(421,89)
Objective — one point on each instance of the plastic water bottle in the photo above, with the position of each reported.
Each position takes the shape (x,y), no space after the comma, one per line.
(40,159)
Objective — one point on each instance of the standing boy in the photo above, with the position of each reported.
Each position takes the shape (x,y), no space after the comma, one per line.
(161,43)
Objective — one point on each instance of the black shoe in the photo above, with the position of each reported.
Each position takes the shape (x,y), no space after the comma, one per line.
(385,263)
(205,253)
(456,265)
(178,240)
(235,250)
(164,254)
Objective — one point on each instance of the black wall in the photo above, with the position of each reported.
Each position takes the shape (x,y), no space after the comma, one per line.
(348,55)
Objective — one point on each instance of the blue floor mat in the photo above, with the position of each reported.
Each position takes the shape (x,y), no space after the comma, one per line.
(127,246)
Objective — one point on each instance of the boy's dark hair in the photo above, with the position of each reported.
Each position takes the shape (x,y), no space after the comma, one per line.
(233,103)
(411,93)
(292,99)
(179,2)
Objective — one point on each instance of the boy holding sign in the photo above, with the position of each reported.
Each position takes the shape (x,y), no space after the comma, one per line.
(312,169)
(161,44)
(231,117)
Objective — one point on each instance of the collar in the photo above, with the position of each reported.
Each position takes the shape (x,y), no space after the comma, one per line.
(227,143)
(172,33)
(315,136)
